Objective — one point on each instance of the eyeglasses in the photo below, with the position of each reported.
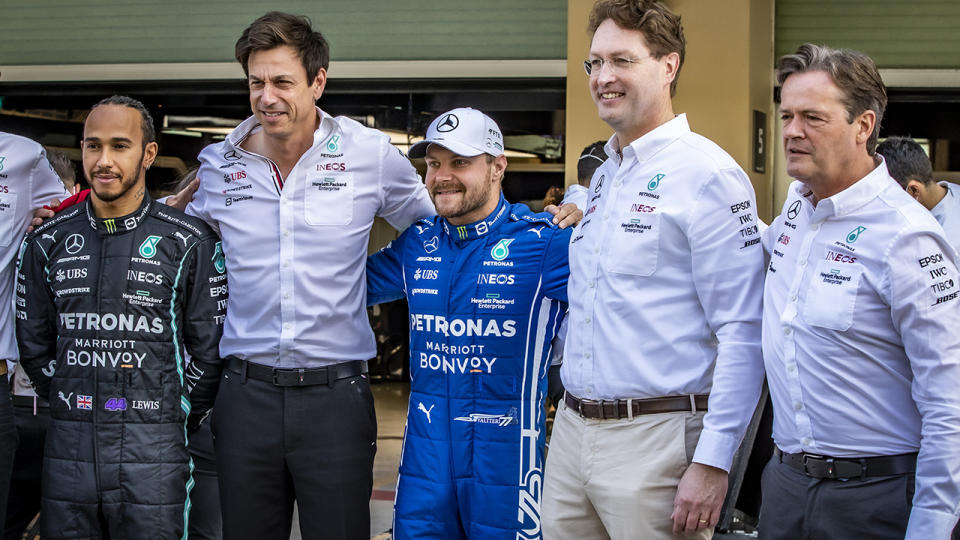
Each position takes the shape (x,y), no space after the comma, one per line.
(617,64)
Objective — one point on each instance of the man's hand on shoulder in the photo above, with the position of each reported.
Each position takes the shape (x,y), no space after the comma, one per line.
(181,199)
(699,498)
(565,215)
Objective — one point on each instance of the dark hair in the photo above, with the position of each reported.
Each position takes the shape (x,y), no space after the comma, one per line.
(592,157)
(660,27)
(146,121)
(276,29)
(906,160)
(63,166)
(853,72)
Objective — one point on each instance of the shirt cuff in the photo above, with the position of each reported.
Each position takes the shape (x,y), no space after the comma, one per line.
(926,523)
(715,449)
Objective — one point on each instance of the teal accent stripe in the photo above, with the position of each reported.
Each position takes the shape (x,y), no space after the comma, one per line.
(184,401)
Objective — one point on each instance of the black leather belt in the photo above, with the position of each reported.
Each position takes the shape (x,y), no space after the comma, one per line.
(297,376)
(28,401)
(817,466)
(628,408)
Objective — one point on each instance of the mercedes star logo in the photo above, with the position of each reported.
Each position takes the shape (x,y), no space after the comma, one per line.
(448,123)
(596,189)
(231,156)
(74,243)
(794,210)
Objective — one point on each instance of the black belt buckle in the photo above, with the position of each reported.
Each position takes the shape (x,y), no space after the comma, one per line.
(828,467)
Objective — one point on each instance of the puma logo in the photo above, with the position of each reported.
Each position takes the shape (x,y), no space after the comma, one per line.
(537,231)
(65,399)
(421,407)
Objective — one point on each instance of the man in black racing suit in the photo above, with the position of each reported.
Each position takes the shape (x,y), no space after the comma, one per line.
(108,295)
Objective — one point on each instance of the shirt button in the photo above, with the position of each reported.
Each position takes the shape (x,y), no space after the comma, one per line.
(589,391)
(806,441)
(592,284)
(791,368)
(586,355)
(793,298)
(786,330)
(286,296)
(803,262)
(587,320)
(286,326)
(286,233)
(814,226)
(798,406)
(286,264)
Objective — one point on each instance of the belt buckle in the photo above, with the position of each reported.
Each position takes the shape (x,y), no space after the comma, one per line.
(276,376)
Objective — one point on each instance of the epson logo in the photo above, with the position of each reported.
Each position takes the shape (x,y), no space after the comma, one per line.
(495,279)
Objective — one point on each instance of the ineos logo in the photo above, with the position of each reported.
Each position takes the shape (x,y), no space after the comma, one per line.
(74,243)
(794,210)
(449,123)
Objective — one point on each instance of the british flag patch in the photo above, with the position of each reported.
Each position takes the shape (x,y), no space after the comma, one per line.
(84,402)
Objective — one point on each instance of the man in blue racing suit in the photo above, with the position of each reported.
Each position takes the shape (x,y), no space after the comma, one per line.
(486,282)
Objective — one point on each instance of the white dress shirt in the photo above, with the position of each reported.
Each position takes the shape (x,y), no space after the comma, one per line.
(295,247)
(860,336)
(666,274)
(27,182)
(947,212)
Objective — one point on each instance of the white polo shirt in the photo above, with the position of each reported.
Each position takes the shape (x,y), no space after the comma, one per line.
(860,336)
(666,278)
(295,247)
(27,182)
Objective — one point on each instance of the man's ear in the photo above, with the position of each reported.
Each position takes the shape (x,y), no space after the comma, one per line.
(499,167)
(149,154)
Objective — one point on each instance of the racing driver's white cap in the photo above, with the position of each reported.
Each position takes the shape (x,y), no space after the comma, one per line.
(466,132)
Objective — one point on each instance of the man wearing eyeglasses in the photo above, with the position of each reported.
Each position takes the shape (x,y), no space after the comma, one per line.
(665,305)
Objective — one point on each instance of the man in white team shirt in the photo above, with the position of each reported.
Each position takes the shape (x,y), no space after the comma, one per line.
(909,165)
(860,319)
(666,273)
(27,182)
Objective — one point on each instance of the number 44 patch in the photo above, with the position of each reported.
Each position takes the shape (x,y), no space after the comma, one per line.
(116,404)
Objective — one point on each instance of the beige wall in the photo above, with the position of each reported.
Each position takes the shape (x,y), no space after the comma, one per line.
(727,74)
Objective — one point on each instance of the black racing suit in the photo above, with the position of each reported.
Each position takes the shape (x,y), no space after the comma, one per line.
(104,311)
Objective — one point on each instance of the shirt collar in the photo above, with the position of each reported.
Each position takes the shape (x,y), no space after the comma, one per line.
(651,142)
(860,193)
(327,128)
(477,229)
(122,223)
(940,209)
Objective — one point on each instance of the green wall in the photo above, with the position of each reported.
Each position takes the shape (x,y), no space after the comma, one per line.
(132,31)
(895,33)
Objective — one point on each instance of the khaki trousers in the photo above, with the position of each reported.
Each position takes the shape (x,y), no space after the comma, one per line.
(616,479)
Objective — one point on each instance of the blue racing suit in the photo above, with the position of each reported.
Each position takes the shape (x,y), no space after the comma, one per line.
(486,299)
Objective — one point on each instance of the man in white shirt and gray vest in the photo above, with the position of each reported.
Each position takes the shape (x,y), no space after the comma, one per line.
(860,322)
(293,192)
(665,305)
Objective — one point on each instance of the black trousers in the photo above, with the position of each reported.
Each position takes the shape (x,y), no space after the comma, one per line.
(798,507)
(205,522)
(8,445)
(313,444)
(24,503)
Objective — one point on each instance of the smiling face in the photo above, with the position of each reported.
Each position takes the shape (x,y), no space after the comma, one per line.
(115,158)
(282,97)
(631,89)
(822,146)
(463,189)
